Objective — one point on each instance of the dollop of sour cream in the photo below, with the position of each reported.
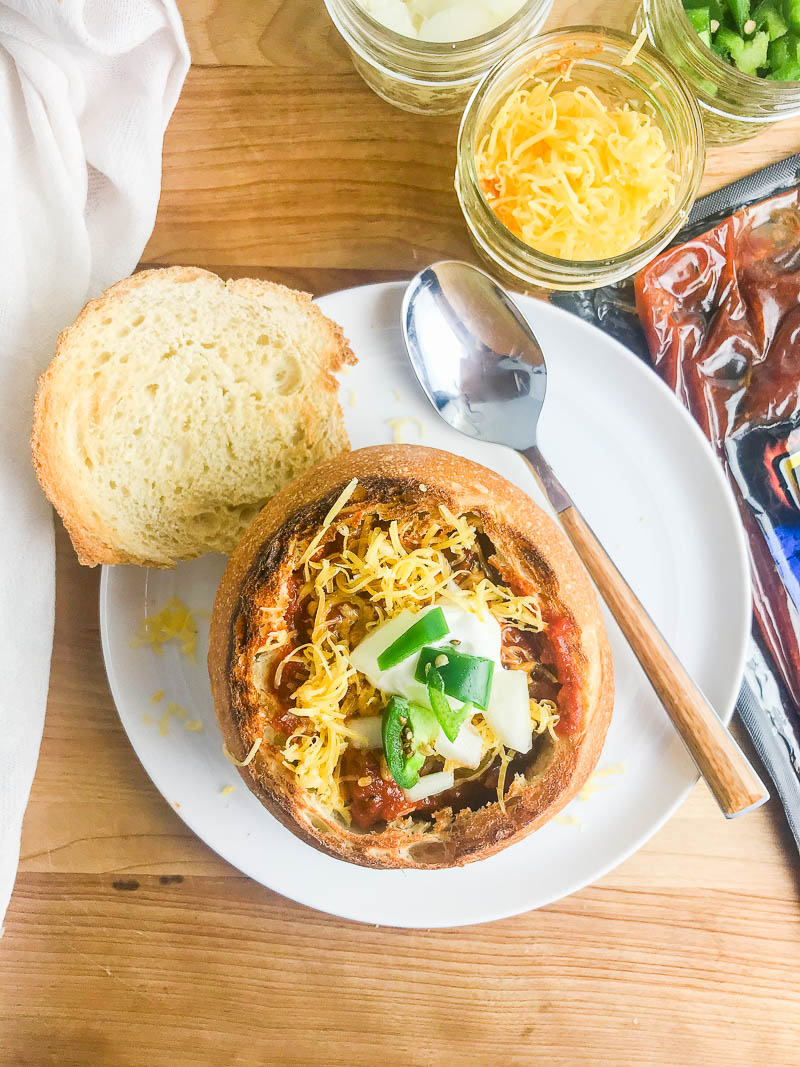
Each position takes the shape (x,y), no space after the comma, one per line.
(508,713)
(474,636)
(441,21)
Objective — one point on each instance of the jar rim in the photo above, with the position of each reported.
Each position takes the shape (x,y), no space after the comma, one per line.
(685,105)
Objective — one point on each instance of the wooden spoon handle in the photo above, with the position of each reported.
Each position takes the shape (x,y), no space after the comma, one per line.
(730,777)
(722,763)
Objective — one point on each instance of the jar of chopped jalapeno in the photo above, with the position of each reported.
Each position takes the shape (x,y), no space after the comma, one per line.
(741,58)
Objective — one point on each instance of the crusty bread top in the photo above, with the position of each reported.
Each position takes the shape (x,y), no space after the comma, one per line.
(176,405)
(533,556)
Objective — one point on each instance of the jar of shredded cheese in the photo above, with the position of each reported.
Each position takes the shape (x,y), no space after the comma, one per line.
(427,76)
(579,158)
(734,106)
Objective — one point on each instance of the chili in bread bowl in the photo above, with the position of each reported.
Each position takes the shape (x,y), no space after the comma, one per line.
(409,561)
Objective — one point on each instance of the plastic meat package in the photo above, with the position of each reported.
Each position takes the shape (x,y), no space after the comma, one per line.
(719,318)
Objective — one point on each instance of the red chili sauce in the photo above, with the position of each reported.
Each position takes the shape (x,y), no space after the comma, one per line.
(554,647)
(721,314)
(378,799)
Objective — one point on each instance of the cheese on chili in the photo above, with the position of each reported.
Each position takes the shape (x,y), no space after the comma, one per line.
(373,570)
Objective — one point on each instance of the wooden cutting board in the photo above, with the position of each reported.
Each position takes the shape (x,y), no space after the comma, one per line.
(127,940)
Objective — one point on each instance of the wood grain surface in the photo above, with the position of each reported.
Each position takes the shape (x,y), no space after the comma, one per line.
(127,940)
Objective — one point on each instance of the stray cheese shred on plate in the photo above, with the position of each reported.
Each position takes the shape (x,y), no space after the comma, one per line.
(571,176)
(399,424)
(174,622)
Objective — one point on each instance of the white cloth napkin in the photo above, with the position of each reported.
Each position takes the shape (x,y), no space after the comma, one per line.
(86,90)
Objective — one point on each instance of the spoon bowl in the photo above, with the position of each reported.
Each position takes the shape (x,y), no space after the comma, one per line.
(488,377)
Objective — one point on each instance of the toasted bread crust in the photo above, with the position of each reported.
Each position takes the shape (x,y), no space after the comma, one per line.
(93,539)
(536,556)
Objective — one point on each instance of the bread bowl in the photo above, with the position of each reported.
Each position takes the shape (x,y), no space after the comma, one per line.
(329,565)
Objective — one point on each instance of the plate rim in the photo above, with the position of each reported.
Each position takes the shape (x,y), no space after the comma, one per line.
(619,857)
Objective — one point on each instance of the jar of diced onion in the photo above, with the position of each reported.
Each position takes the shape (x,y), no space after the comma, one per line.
(414,53)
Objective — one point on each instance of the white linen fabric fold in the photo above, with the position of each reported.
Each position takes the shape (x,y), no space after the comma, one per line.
(86,90)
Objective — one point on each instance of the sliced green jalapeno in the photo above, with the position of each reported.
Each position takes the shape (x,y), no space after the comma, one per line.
(430,627)
(467,678)
(405,727)
(449,718)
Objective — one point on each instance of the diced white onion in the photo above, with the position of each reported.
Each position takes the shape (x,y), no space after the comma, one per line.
(430,785)
(393,14)
(366,731)
(441,20)
(466,749)
(509,711)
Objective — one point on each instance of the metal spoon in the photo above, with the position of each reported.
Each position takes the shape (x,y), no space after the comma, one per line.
(484,371)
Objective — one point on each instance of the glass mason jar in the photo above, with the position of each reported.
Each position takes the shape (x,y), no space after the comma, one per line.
(648,83)
(734,106)
(423,76)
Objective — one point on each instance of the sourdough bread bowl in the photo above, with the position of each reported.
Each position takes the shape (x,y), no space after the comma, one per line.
(331,563)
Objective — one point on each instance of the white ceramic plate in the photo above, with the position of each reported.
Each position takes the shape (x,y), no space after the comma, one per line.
(647,482)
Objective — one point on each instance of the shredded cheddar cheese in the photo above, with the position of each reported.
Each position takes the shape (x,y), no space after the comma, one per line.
(635,49)
(598,781)
(173,709)
(570,175)
(248,758)
(370,575)
(340,502)
(174,622)
(275,639)
(544,716)
(505,759)
(569,820)
(398,425)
